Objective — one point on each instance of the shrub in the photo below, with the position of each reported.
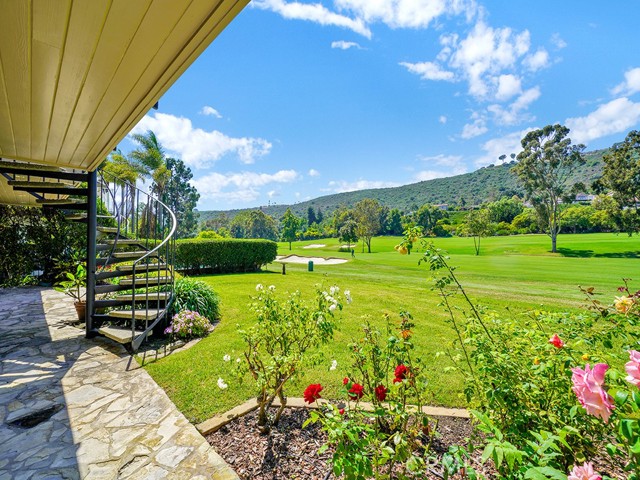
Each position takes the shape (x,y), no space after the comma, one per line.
(31,237)
(520,372)
(277,345)
(187,325)
(391,440)
(224,255)
(196,295)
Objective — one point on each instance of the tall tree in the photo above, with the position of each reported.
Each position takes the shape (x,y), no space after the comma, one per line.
(311,216)
(254,224)
(478,225)
(621,174)
(545,167)
(349,233)
(216,223)
(181,197)
(427,217)
(150,156)
(290,225)
(394,222)
(124,173)
(367,215)
(505,209)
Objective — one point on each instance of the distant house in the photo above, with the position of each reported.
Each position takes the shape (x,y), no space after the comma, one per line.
(584,197)
(442,206)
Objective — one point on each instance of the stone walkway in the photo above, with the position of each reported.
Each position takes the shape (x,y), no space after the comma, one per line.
(72,408)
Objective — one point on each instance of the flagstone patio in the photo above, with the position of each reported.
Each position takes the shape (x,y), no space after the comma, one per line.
(72,408)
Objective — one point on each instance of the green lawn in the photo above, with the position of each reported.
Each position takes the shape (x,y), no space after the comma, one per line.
(517,272)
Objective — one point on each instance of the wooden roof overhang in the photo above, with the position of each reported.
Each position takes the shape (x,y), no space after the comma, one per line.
(77,75)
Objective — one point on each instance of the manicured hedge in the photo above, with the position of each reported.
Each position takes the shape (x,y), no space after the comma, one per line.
(224,255)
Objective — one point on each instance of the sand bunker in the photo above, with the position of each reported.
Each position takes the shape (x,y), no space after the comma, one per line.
(315,260)
(315,245)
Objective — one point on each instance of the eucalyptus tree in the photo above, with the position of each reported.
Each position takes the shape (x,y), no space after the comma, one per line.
(367,214)
(545,168)
(621,175)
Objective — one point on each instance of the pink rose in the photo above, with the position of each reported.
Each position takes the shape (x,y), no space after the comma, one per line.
(633,368)
(585,472)
(556,341)
(588,387)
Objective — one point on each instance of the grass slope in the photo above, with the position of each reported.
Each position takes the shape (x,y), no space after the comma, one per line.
(483,185)
(518,273)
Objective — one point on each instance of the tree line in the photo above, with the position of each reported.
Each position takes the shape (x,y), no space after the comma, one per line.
(544,169)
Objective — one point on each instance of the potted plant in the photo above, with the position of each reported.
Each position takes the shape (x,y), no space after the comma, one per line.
(75,286)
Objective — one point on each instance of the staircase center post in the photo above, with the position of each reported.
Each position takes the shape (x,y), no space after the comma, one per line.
(92,228)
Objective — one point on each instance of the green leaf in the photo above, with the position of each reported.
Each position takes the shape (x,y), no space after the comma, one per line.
(488,452)
(545,473)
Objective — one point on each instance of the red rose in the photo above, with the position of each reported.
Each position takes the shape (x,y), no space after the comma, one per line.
(345,380)
(312,392)
(556,341)
(400,372)
(356,391)
(381,392)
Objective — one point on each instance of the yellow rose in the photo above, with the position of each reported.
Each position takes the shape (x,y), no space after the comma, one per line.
(623,304)
(585,357)
(536,361)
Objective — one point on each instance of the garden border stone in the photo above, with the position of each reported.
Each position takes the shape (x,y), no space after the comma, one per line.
(218,421)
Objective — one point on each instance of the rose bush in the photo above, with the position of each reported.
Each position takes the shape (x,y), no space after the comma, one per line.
(519,371)
(277,346)
(387,440)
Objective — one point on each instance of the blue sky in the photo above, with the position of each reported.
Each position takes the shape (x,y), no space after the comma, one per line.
(296,100)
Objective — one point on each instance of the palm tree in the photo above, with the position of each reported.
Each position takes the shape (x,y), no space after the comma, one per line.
(123,173)
(150,158)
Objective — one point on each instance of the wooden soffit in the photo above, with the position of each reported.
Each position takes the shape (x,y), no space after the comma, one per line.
(77,75)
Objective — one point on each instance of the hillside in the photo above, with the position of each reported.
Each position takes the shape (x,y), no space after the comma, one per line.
(474,188)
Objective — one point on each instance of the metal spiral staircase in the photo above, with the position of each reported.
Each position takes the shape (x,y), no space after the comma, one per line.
(130,246)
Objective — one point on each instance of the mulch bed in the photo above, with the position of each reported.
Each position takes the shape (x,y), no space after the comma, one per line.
(291,452)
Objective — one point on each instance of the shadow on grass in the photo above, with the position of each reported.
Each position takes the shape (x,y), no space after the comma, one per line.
(569,252)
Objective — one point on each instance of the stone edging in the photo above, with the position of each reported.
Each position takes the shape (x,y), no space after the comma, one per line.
(218,421)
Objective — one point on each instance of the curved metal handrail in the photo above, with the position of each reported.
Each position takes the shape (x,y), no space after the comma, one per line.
(163,215)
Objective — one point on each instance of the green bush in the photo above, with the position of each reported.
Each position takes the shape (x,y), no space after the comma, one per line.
(31,238)
(224,255)
(197,296)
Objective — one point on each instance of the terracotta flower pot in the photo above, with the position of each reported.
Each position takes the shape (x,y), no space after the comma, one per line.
(81,309)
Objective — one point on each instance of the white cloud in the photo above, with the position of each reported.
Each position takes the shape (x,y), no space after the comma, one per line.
(616,116)
(508,86)
(476,128)
(425,175)
(514,113)
(631,83)
(313,173)
(454,164)
(484,54)
(558,42)
(407,13)
(495,147)
(442,119)
(196,147)
(207,110)
(240,187)
(344,186)
(441,159)
(537,61)
(342,45)
(428,71)
(313,12)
